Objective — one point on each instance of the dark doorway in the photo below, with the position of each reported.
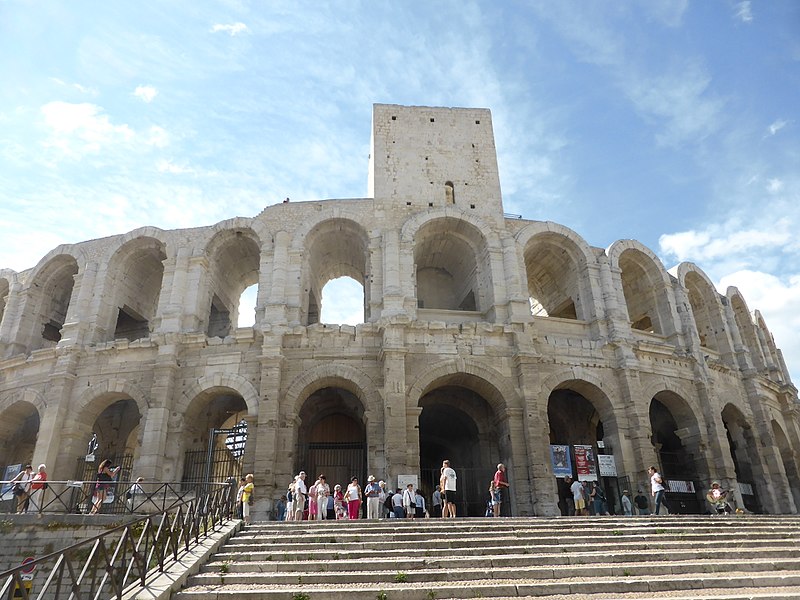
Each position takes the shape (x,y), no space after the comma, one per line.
(457,423)
(332,437)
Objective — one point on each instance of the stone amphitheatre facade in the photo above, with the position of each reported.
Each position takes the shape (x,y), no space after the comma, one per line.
(486,338)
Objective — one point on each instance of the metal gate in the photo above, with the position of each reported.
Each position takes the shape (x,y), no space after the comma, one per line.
(339,461)
(217,463)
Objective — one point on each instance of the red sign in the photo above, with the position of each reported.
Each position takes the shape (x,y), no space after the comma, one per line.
(27,566)
(585,463)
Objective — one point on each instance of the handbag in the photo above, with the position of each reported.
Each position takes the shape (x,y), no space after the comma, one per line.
(17,490)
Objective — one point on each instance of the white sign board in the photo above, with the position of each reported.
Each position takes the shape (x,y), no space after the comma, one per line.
(404,480)
(607,465)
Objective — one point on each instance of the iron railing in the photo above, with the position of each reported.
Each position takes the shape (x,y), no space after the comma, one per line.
(126,557)
(77,497)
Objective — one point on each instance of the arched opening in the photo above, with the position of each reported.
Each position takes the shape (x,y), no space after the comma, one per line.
(642,286)
(675,437)
(135,278)
(747,332)
(451,272)
(117,429)
(449,193)
(705,309)
(51,294)
(342,300)
(19,428)
(789,463)
(212,432)
(582,427)
(234,267)
(744,453)
(336,248)
(247,306)
(552,268)
(332,437)
(458,423)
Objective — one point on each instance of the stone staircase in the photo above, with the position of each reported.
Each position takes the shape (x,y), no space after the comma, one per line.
(730,557)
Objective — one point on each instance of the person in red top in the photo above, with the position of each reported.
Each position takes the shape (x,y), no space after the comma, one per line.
(501,485)
(38,486)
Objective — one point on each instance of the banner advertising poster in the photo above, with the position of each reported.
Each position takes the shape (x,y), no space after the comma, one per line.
(585,463)
(562,462)
(607,465)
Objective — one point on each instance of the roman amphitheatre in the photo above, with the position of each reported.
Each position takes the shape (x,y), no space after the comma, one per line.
(486,338)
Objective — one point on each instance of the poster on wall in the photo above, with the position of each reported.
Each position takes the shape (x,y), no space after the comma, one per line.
(607,465)
(562,463)
(585,463)
(11,472)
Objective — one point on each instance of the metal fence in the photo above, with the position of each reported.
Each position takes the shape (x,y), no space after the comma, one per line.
(127,557)
(123,497)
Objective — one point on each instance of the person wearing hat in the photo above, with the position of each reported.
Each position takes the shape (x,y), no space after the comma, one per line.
(718,498)
(627,505)
(373,492)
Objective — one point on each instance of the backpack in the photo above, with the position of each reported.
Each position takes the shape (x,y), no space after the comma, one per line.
(289,496)
(388,502)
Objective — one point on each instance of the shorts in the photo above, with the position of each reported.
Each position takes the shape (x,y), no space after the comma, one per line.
(579,504)
(497,498)
(450,496)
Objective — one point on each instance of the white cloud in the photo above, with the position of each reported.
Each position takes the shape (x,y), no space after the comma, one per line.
(157,136)
(231,29)
(777,125)
(718,242)
(77,86)
(744,12)
(774,186)
(82,128)
(167,166)
(146,93)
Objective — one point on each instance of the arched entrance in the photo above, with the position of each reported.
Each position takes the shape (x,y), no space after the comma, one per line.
(672,421)
(19,428)
(789,464)
(582,423)
(459,424)
(744,454)
(116,434)
(332,437)
(213,443)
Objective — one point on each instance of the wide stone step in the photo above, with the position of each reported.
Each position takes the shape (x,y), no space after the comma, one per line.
(422,573)
(612,586)
(248,564)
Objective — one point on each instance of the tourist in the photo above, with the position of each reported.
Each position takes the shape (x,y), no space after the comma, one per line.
(718,498)
(578,498)
(501,484)
(569,502)
(397,504)
(105,477)
(239,492)
(280,509)
(22,488)
(373,494)
(657,489)
(353,497)
(382,496)
(323,492)
(419,502)
(290,500)
(312,501)
(436,501)
(495,498)
(627,505)
(449,490)
(38,486)
(598,497)
(338,502)
(642,503)
(134,491)
(300,494)
(247,497)
(409,501)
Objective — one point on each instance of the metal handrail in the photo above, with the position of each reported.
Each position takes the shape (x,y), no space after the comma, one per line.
(129,555)
(76,497)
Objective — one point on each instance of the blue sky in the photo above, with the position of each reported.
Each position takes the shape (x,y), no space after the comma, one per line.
(671,122)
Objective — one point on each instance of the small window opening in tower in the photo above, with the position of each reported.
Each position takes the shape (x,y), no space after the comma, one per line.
(219,320)
(342,302)
(449,193)
(247,307)
(130,325)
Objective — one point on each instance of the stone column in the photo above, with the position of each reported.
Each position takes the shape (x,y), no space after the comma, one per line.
(398,426)
(57,445)
(74,330)
(9,327)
